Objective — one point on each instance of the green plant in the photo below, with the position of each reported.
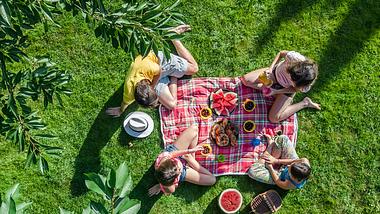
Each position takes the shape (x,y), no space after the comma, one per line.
(115,189)
(11,204)
(137,28)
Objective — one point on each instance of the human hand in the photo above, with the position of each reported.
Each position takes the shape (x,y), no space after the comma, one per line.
(269,158)
(181,29)
(267,92)
(114,111)
(268,166)
(154,190)
(173,79)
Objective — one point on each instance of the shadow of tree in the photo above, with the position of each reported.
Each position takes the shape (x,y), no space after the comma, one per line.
(88,158)
(362,21)
(285,11)
(140,191)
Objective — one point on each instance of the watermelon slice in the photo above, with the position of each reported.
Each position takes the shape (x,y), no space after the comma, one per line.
(223,103)
(230,201)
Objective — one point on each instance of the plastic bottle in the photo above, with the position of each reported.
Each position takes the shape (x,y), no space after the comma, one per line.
(256,141)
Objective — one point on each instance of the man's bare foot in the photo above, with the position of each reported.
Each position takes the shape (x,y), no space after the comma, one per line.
(181,29)
(311,104)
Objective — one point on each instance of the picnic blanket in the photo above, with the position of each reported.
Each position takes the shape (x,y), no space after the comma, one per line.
(193,94)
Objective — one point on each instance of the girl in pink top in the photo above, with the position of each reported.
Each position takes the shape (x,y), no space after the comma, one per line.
(177,164)
(282,80)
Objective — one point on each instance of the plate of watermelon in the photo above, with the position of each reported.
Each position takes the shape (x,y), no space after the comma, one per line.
(223,102)
(230,201)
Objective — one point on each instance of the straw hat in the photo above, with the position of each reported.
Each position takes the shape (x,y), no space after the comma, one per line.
(138,124)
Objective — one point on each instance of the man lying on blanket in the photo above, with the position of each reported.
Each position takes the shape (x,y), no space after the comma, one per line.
(148,82)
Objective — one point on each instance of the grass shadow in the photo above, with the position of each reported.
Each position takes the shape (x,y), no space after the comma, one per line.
(285,11)
(140,192)
(360,23)
(102,129)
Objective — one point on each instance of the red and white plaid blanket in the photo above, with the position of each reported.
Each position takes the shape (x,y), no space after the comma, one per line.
(193,94)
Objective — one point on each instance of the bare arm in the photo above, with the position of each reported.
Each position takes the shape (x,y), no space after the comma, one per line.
(276,178)
(269,159)
(280,55)
(283,91)
(195,165)
(184,152)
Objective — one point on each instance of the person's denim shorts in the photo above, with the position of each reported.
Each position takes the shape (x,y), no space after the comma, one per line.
(172,148)
(176,66)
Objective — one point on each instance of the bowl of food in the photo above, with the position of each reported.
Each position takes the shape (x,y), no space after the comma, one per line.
(224,133)
(249,126)
(205,113)
(230,201)
(207,150)
(249,105)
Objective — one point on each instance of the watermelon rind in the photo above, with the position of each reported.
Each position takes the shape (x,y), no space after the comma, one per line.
(230,95)
(223,102)
(220,201)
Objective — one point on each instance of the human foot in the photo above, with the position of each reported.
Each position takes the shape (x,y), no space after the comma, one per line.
(311,104)
(181,29)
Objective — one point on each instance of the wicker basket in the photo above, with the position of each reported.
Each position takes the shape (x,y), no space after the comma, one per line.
(267,202)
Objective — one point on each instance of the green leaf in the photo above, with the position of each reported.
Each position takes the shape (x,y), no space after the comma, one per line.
(46,136)
(115,43)
(141,6)
(98,207)
(12,192)
(22,206)
(63,211)
(123,22)
(122,174)
(44,167)
(12,206)
(5,12)
(174,5)
(46,12)
(151,15)
(111,179)
(87,210)
(127,187)
(131,206)
(30,158)
(101,6)
(95,183)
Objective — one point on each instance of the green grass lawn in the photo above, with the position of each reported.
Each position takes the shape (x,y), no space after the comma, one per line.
(229,38)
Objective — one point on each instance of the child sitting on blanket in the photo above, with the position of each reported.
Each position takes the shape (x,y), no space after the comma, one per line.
(285,78)
(148,82)
(293,173)
(177,164)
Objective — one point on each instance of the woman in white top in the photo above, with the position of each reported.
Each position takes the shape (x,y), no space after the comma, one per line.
(283,79)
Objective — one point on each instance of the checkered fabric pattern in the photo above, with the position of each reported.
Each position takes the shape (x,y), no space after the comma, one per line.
(193,94)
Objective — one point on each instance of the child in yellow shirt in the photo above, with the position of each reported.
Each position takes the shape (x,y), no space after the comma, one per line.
(153,79)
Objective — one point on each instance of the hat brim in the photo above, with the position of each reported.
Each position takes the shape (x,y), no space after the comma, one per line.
(134,133)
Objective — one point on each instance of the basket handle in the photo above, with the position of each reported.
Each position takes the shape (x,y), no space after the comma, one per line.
(269,203)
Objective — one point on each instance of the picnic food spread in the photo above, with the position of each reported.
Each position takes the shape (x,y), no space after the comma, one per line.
(230,201)
(223,102)
(224,133)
